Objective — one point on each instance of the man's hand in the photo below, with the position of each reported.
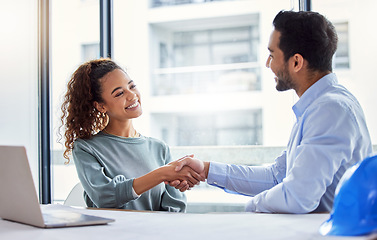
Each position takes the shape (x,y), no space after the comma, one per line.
(198,166)
(195,164)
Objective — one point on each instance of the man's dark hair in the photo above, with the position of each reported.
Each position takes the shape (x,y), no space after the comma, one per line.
(309,34)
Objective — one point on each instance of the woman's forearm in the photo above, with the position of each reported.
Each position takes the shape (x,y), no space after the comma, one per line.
(165,173)
(148,181)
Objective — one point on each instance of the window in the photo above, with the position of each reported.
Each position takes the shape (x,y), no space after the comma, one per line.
(201,72)
(200,68)
(164,3)
(89,51)
(199,65)
(353,60)
(75,40)
(341,58)
(208,61)
(209,129)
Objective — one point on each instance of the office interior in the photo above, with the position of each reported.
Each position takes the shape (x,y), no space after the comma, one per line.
(185,55)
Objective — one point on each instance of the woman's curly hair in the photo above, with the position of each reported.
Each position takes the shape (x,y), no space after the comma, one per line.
(80,119)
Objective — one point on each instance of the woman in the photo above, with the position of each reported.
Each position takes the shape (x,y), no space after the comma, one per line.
(117,166)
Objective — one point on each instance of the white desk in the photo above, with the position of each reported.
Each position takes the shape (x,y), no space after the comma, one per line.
(179,226)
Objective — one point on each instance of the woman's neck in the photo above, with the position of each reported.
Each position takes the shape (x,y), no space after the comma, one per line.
(121,129)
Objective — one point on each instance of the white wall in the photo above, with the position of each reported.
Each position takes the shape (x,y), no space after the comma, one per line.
(19,77)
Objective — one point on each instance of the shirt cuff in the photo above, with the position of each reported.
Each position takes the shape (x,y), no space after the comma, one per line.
(134,194)
(217,174)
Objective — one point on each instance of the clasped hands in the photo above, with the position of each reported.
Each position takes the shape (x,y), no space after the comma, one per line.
(186,172)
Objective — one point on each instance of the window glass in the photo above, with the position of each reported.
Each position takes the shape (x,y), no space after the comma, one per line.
(75,39)
(89,51)
(341,58)
(208,61)
(353,60)
(219,128)
(200,68)
(164,3)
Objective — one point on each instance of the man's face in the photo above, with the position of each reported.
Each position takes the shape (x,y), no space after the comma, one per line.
(278,66)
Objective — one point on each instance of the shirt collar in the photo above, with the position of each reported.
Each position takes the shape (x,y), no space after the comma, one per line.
(313,92)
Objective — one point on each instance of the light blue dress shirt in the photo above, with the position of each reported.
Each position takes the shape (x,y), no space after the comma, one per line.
(329,136)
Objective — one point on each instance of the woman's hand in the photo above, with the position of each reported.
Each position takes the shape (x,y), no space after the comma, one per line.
(186,174)
(200,168)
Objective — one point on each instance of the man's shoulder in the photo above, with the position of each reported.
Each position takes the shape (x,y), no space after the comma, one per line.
(336,96)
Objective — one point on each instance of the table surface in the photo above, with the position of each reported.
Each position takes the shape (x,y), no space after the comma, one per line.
(162,225)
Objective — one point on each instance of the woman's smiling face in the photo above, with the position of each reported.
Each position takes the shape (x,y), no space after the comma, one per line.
(121,98)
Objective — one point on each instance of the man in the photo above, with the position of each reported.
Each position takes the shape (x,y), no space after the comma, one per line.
(329,135)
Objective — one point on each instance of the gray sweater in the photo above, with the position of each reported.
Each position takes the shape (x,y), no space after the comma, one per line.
(107,165)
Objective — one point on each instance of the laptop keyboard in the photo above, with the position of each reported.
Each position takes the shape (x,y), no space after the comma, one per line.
(60,216)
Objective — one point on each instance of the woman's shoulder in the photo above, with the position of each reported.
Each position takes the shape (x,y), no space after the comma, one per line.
(95,139)
(153,139)
(92,138)
(156,141)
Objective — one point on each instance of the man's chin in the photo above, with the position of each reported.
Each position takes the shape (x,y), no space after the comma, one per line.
(282,85)
(282,88)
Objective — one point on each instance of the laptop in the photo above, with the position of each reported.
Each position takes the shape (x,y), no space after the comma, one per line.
(19,200)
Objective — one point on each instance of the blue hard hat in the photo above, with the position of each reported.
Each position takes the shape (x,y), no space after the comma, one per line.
(355,204)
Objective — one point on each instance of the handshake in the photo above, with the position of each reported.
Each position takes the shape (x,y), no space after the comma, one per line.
(185,173)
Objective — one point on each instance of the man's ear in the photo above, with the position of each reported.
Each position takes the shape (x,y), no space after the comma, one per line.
(297,62)
(100,107)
